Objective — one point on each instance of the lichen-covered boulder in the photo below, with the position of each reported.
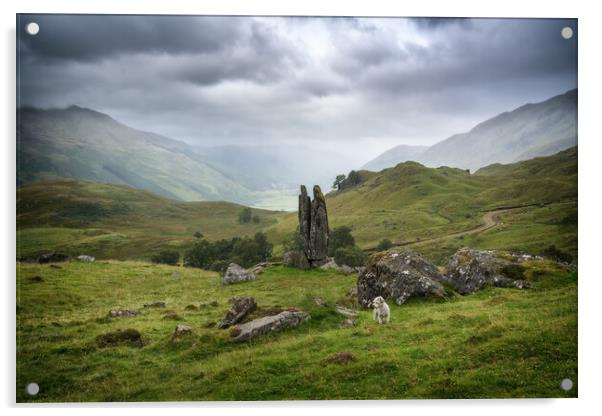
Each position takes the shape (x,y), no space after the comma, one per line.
(469,270)
(296,259)
(398,274)
(268,324)
(241,307)
(236,273)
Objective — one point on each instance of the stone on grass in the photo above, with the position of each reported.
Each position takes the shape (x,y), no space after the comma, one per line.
(341,358)
(181,331)
(469,270)
(236,273)
(347,323)
(154,305)
(296,259)
(122,313)
(320,302)
(350,313)
(241,307)
(268,324)
(399,274)
(211,304)
(85,258)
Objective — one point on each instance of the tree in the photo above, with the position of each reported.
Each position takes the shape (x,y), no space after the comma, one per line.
(171,257)
(294,242)
(340,237)
(337,182)
(198,234)
(200,255)
(245,215)
(384,244)
(353,179)
(265,247)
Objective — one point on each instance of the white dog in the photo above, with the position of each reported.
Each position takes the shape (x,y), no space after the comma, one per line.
(381,312)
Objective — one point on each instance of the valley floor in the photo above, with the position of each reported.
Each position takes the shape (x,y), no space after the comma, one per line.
(495,343)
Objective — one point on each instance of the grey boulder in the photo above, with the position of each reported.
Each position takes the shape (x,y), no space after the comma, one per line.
(296,259)
(241,307)
(399,274)
(469,270)
(268,324)
(236,273)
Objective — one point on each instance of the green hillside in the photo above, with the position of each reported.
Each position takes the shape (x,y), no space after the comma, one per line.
(407,204)
(411,202)
(119,222)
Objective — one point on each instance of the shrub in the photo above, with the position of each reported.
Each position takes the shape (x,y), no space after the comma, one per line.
(200,255)
(384,244)
(351,256)
(340,237)
(171,257)
(256,219)
(245,216)
(555,254)
(198,234)
(293,242)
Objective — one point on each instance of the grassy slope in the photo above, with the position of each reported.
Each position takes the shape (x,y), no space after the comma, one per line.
(496,343)
(412,202)
(404,203)
(113,221)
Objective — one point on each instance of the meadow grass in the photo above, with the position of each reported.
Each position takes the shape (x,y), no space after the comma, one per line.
(495,343)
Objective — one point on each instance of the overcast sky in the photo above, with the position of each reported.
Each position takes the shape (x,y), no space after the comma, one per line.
(361,85)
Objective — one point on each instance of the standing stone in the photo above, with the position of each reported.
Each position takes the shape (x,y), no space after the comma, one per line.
(318,234)
(305,220)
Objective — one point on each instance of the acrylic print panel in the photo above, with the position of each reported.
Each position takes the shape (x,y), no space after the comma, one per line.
(295,208)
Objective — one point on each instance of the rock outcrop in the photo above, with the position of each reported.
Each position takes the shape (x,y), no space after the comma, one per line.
(53,258)
(313,225)
(296,259)
(399,274)
(123,313)
(236,273)
(469,270)
(268,324)
(241,307)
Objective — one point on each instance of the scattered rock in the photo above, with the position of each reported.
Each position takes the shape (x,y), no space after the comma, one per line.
(469,270)
(347,323)
(259,268)
(350,313)
(210,324)
(182,330)
(154,305)
(268,324)
(352,292)
(53,258)
(36,279)
(341,358)
(296,259)
(347,269)
(123,313)
(241,307)
(211,304)
(327,263)
(172,316)
(320,302)
(398,274)
(86,259)
(129,337)
(235,274)
(359,269)
(191,308)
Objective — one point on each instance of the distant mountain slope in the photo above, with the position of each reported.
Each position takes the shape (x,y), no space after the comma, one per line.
(532,130)
(529,131)
(392,157)
(84,144)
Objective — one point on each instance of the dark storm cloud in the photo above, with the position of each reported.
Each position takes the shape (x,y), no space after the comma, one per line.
(371,82)
(92,37)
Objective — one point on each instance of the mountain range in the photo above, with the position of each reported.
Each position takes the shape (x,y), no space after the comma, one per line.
(529,131)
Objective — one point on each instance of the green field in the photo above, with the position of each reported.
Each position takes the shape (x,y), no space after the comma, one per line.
(496,343)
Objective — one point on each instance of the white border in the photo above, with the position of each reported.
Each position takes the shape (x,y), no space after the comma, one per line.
(590,70)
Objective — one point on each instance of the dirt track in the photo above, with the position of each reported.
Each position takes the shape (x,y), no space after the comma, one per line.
(491,219)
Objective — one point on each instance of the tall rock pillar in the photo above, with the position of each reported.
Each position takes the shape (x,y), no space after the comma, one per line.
(313,225)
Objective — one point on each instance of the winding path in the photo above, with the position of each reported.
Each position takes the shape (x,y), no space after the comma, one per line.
(491,219)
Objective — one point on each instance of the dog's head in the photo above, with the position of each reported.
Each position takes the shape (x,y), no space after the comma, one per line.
(378,302)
